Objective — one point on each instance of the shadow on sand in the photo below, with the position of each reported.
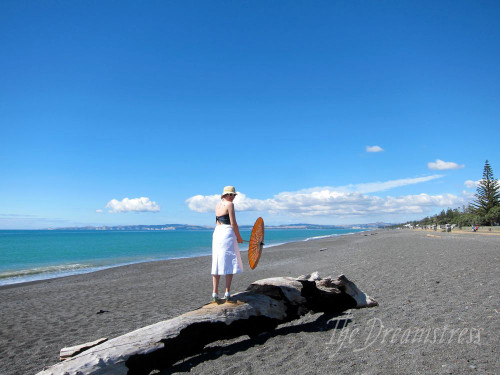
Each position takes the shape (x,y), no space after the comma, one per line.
(322,323)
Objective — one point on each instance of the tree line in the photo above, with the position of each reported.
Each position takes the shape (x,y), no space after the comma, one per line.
(484,210)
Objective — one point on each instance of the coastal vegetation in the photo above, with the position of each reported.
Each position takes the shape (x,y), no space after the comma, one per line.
(483,210)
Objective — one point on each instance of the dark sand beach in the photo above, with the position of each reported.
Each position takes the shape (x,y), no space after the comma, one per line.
(438,313)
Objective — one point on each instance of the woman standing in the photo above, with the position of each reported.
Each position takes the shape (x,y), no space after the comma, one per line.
(226,259)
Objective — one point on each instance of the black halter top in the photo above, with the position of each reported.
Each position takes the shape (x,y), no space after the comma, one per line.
(224,219)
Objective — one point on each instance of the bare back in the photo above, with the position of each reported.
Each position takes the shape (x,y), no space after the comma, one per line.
(221,209)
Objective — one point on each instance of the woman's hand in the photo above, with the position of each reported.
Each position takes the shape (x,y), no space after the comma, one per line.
(239,239)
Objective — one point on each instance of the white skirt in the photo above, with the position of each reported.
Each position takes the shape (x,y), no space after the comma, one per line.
(226,258)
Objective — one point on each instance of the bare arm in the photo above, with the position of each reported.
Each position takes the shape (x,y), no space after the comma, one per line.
(234,224)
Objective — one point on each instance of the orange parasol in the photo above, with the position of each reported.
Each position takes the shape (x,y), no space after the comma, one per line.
(256,243)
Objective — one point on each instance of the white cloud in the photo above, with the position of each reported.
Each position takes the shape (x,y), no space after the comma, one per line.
(343,201)
(372,187)
(207,203)
(468,196)
(330,202)
(381,186)
(99,211)
(444,165)
(374,149)
(142,204)
(203,203)
(471,184)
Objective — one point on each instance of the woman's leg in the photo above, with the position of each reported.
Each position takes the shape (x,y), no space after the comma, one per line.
(229,278)
(215,282)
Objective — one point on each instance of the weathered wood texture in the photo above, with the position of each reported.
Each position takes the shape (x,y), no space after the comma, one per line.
(77,349)
(262,307)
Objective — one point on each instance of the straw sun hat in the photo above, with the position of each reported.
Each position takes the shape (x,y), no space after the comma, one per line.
(228,190)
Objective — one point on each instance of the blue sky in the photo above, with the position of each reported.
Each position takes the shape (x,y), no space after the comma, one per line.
(172,100)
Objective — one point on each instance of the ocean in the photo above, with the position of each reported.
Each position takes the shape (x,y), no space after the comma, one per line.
(29,255)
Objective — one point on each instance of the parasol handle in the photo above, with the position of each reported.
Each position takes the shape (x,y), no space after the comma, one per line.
(262,243)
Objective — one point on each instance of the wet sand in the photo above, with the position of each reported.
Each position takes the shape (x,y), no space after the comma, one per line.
(439,309)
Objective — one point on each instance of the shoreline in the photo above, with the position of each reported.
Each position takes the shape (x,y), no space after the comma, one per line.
(421,283)
(97,268)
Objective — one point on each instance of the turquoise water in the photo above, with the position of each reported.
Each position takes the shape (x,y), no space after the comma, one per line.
(36,255)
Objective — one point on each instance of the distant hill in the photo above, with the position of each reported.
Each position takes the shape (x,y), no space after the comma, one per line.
(165,227)
(140,227)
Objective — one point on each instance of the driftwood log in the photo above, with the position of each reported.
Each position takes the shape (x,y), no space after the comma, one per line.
(75,350)
(262,307)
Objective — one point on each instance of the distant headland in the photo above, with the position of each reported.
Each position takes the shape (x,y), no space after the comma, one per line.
(188,227)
